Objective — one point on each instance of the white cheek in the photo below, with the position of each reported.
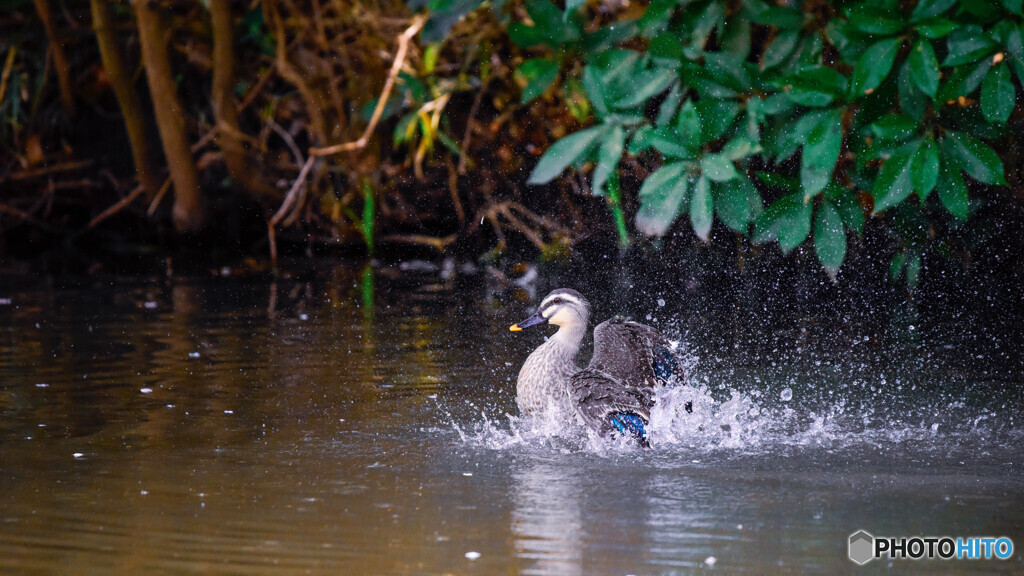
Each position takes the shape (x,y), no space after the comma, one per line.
(559,318)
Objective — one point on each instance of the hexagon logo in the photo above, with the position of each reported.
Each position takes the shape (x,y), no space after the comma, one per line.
(862,547)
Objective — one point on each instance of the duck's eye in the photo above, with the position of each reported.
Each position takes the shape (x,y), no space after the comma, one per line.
(558,300)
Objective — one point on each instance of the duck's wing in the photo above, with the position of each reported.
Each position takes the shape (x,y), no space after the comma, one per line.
(606,406)
(634,354)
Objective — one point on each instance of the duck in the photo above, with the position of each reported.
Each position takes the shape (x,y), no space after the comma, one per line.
(613,395)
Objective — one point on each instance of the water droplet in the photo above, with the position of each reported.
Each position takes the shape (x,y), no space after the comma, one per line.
(193,354)
(710,560)
(786,395)
(146,390)
(78,454)
(472,555)
(661,302)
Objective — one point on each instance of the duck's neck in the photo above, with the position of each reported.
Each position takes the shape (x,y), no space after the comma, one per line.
(545,374)
(568,338)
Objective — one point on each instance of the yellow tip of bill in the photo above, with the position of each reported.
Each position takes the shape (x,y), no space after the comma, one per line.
(515,328)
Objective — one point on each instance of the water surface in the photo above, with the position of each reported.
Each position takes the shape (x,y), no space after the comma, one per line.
(226,426)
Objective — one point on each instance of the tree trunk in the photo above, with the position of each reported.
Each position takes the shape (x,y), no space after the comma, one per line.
(189,210)
(60,61)
(230,139)
(127,96)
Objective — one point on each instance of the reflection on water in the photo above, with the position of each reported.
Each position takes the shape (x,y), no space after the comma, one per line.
(547,520)
(357,422)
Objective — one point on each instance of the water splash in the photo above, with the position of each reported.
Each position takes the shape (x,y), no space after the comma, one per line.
(695,418)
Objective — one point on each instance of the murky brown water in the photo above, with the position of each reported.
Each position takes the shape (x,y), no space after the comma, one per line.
(254,427)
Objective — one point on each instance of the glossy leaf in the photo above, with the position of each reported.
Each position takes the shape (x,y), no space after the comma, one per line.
(936,28)
(821,152)
(737,203)
(1014,6)
(595,91)
(689,126)
(539,73)
(893,127)
(998,95)
(718,167)
(964,80)
(953,192)
(893,184)
(647,84)
(850,210)
(974,156)
(924,169)
(924,67)
(780,48)
(608,158)
(930,9)
(702,209)
(661,198)
(967,44)
(873,67)
(564,152)
(875,20)
(815,87)
(829,237)
(788,220)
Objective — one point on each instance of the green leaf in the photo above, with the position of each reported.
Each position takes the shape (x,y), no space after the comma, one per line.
(718,168)
(930,9)
(571,5)
(893,127)
(669,106)
(873,67)
(814,87)
(893,185)
(897,264)
(702,209)
(647,84)
(964,80)
(914,102)
(924,169)
(608,158)
(953,192)
(936,28)
(1013,6)
(974,156)
(539,73)
(595,90)
(670,143)
(564,152)
(913,270)
(661,197)
(967,44)
(850,210)
(875,20)
(924,67)
(781,47)
(689,126)
(821,152)
(788,219)
(998,95)
(736,203)
(829,237)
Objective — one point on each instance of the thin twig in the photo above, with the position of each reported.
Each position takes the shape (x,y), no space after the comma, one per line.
(396,67)
(118,206)
(286,206)
(159,196)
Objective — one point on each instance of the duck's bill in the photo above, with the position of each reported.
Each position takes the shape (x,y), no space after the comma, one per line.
(531,321)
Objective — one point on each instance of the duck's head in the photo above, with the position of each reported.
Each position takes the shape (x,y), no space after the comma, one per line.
(563,308)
